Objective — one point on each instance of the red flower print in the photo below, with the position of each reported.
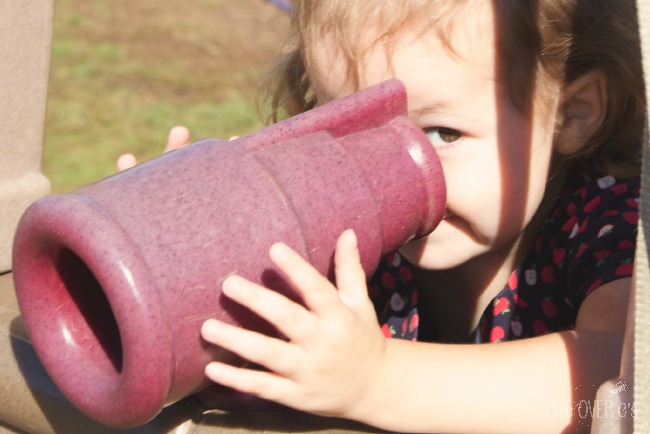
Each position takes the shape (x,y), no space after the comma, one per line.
(415,321)
(569,224)
(625,244)
(540,327)
(619,189)
(414,298)
(625,269)
(601,254)
(388,280)
(592,204)
(512,281)
(548,274)
(571,209)
(581,250)
(558,256)
(549,308)
(501,306)
(406,273)
(387,331)
(631,217)
(583,225)
(497,334)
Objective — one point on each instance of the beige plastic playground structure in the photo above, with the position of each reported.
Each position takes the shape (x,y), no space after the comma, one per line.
(29,401)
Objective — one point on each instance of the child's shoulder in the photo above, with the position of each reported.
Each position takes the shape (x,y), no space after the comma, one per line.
(590,237)
(596,199)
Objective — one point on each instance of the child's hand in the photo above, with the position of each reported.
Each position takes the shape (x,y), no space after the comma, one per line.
(178,137)
(335,346)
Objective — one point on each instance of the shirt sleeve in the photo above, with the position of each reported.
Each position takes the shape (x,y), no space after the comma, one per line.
(602,230)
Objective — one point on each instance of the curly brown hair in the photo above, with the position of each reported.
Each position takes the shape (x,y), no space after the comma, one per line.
(557,40)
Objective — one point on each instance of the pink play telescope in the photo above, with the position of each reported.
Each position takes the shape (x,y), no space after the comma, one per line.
(115,279)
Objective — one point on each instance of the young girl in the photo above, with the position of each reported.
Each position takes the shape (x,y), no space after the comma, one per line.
(536,112)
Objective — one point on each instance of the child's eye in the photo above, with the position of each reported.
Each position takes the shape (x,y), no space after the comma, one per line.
(442,135)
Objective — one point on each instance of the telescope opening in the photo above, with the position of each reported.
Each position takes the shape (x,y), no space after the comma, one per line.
(93,330)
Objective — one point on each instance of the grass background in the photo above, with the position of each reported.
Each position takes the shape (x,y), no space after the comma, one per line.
(124,72)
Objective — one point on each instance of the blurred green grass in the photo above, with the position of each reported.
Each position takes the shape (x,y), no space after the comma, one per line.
(123,73)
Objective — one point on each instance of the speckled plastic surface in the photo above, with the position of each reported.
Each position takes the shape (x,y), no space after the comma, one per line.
(115,279)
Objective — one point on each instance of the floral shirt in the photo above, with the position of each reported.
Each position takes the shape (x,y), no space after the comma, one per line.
(586,241)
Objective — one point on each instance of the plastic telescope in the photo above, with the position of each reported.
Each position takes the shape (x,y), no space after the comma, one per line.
(115,279)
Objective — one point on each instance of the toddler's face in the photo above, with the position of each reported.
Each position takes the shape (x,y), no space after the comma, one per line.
(495,158)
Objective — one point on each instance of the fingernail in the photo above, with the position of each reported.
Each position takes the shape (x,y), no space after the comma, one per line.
(353,236)
(279,251)
(209,327)
(232,285)
(213,371)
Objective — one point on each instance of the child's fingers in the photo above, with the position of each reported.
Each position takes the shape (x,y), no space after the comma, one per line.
(179,136)
(350,276)
(290,318)
(272,353)
(126,161)
(259,383)
(318,293)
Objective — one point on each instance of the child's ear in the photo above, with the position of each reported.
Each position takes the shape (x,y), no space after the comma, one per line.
(583,111)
